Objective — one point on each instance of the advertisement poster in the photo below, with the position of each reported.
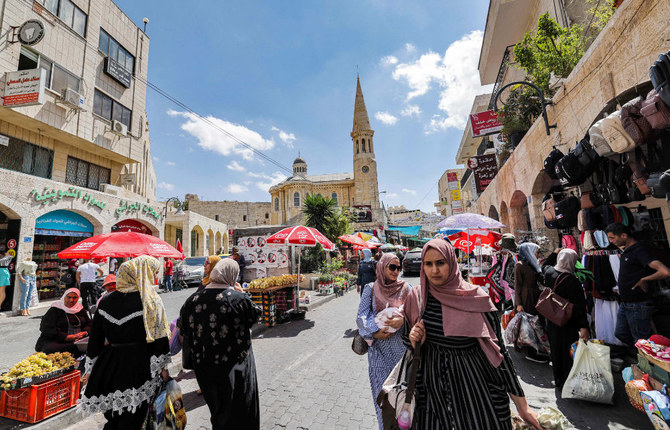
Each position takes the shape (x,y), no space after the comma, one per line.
(485,123)
(362,213)
(25,87)
(259,255)
(484,168)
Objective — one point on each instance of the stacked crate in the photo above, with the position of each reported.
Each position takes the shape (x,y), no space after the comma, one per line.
(269,302)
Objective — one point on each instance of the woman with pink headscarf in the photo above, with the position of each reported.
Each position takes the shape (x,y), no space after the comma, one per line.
(465,376)
(379,320)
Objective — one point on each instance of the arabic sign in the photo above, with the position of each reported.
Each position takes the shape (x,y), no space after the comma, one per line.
(131,208)
(456,207)
(452,176)
(64,220)
(25,87)
(484,168)
(118,72)
(131,225)
(72,192)
(31,32)
(456,195)
(485,123)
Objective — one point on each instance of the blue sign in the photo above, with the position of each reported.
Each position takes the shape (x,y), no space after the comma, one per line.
(72,224)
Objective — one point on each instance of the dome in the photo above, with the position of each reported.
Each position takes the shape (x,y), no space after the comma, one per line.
(299,160)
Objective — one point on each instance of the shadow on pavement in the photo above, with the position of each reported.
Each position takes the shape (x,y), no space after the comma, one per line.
(288,329)
(350,332)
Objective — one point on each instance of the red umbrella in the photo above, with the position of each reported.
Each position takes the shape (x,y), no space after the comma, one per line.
(301,236)
(354,240)
(467,240)
(125,244)
(178,246)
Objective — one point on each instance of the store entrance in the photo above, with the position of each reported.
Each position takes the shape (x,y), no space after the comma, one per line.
(10,227)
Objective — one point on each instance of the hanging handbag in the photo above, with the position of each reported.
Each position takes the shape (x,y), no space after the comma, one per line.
(635,124)
(655,111)
(554,307)
(550,163)
(358,344)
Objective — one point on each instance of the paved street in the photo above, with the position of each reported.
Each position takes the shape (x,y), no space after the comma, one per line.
(309,378)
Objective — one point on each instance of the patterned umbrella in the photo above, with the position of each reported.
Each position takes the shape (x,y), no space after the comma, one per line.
(353,240)
(470,220)
(301,236)
(467,240)
(125,244)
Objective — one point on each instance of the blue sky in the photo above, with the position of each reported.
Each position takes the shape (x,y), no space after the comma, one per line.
(281,76)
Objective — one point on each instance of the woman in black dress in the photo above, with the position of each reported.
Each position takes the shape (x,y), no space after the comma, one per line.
(367,271)
(129,349)
(465,377)
(64,323)
(214,324)
(565,284)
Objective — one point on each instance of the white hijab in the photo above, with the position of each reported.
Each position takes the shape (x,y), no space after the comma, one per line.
(224,274)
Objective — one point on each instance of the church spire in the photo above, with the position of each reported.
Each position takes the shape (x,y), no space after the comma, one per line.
(361,120)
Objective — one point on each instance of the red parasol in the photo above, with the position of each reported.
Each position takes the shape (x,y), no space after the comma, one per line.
(467,240)
(354,240)
(125,244)
(300,236)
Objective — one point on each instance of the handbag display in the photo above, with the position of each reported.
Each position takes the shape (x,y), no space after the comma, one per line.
(554,307)
(635,124)
(617,137)
(566,212)
(659,74)
(550,163)
(655,111)
(598,141)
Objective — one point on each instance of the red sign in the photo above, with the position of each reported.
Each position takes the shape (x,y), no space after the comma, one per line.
(452,176)
(484,168)
(485,123)
(131,225)
(11,244)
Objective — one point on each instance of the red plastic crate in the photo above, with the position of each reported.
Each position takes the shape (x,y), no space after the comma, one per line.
(40,401)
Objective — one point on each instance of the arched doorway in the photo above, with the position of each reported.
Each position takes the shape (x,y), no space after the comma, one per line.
(10,231)
(519,217)
(197,241)
(493,213)
(210,242)
(218,245)
(504,217)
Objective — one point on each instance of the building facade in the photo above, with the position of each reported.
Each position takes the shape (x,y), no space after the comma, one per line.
(451,199)
(75,156)
(358,190)
(235,214)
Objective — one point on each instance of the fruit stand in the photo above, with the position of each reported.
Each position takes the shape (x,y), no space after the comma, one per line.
(277,296)
(39,386)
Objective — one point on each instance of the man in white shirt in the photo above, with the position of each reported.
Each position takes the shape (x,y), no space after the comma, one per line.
(113,262)
(86,276)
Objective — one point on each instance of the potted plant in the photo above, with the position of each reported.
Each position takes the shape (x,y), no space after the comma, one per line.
(519,112)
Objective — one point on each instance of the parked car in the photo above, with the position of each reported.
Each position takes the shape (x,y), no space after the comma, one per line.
(411,264)
(191,270)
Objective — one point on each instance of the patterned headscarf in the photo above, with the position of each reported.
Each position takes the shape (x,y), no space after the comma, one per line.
(213,260)
(225,273)
(139,274)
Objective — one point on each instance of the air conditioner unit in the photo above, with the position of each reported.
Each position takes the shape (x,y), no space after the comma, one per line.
(72,98)
(119,128)
(110,189)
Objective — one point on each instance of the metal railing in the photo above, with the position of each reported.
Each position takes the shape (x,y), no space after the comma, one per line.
(501,74)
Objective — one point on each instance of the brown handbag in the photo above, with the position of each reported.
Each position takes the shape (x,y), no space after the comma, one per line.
(635,124)
(586,202)
(655,111)
(554,307)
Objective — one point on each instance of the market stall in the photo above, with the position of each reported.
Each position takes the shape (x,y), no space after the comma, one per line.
(277,295)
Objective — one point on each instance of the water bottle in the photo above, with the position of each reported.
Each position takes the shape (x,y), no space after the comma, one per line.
(404,419)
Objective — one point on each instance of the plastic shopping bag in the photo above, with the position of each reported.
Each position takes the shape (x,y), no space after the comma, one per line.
(530,333)
(506,318)
(591,375)
(175,344)
(175,414)
(512,331)
(550,418)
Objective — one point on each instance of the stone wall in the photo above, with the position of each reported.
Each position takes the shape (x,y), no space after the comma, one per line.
(235,214)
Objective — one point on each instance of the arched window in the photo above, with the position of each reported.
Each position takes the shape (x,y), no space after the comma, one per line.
(369,145)
(296,199)
(363,141)
(357,148)
(319,195)
(276,204)
(334,197)
(244,217)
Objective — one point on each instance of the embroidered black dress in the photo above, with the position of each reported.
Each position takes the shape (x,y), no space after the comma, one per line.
(56,325)
(124,369)
(457,387)
(215,324)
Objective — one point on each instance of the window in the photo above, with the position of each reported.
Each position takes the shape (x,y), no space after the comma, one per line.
(110,109)
(68,13)
(25,157)
(296,200)
(334,197)
(244,217)
(113,49)
(357,149)
(267,215)
(216,217)
(369,145)
(276,204)
(85,174)
(57,77)
(319,195)
(363,145)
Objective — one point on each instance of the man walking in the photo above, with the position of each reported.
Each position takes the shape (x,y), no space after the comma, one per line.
(167,275)
(86,276)
(241,261)
(637,269)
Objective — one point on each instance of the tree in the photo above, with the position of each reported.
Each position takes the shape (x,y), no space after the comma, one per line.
(319,213)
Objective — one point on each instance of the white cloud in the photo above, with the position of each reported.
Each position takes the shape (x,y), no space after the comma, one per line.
(171,163)
(411,110)
(408,191)
(236,167)
(236,188)
(269,180)
(409,47)
(455,73)
(386,118)
(285,137)
(165,186)
(213,139)
(389,60)
(156,158)
(392,195)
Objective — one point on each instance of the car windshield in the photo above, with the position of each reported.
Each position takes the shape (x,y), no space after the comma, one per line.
(195,261)
(413,254)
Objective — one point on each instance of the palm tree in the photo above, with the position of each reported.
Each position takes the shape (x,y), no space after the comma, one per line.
(319,213)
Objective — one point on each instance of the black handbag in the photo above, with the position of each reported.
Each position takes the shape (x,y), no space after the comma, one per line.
(550,162)
(186,353)
(358,344)
(566,212)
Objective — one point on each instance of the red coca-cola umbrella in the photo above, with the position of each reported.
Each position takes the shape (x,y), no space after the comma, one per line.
(126,244)
(301,236)
(467,240)
(354,240)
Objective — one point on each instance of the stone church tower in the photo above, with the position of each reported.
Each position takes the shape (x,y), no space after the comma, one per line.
(365,166)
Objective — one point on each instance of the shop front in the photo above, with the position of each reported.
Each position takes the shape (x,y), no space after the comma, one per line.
(54,232)
(9,241)
(132,225)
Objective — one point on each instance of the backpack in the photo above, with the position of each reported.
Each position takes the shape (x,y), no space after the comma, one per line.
(660,77)
(566,212)
(550,163)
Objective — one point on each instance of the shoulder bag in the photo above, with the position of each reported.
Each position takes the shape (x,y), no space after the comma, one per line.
(358,344)
(554,307)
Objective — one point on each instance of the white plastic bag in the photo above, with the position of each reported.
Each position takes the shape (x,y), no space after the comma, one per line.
(591,375)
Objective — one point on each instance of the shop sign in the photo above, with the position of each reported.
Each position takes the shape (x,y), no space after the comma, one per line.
(31,32)
(260,256)
(63,220)
(131,208)
(24,87)
(118,72)
(484,169)
(131,225)
(452,176)
(4,140)
(11,243)
(72,193)
(485,123)
(456,195)
(456,207)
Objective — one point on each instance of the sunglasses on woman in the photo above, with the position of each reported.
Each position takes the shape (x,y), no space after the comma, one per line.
(393,268)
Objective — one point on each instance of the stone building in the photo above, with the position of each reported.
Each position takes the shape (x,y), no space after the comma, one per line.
(358,190)
(235,214)
(451,197)
(614,68)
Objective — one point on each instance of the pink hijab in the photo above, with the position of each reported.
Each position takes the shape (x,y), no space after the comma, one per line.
(463,304)
(386,291)
(60,304)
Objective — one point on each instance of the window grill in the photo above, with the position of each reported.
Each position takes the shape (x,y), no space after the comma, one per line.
(25,157)
(85,174)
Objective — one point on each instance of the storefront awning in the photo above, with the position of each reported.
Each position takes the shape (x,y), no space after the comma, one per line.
(411,230)
(63,223)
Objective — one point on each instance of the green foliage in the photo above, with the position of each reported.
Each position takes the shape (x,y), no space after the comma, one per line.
(602,11)
(312,258)
(553,49)
(520,110)
(322,214)
(332,267)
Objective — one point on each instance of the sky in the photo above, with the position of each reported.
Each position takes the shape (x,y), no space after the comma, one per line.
(281,77)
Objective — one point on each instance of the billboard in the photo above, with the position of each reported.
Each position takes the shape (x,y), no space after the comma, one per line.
(362,213)
(485,123)
(24,87)
(484,169)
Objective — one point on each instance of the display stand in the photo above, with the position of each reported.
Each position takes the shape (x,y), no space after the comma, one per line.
(277,303)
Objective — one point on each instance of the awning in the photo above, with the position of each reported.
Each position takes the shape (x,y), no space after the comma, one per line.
(411,230)
(63,223)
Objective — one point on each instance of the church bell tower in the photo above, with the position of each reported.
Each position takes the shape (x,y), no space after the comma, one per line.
(365,166)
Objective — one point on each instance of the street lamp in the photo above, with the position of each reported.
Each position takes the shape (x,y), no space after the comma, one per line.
(539,92)
(177,205)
